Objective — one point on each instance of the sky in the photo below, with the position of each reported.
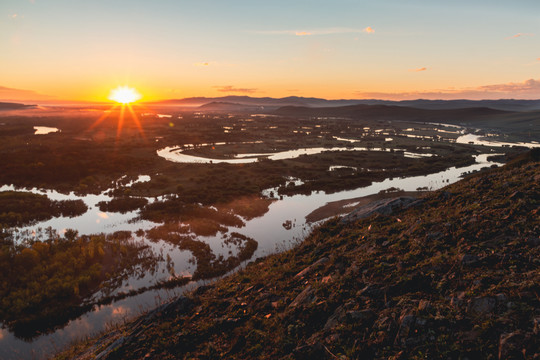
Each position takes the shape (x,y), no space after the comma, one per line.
(335,49)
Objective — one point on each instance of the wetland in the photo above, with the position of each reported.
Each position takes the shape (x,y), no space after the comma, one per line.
(102,219)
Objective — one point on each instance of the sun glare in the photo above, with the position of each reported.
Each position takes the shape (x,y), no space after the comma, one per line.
(124,95)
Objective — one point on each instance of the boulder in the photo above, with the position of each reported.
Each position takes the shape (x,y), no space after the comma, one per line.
(383,207)
(305,297)
(481,305)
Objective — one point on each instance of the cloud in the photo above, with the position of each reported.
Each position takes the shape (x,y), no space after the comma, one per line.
(368,30)
(205,63)
(14,16)
(519,35)
(530,85)
(418,70)
(325,31)
(528,89)
(7,93)
(232,89)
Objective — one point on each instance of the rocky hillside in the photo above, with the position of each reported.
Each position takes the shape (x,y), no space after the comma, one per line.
(453,276)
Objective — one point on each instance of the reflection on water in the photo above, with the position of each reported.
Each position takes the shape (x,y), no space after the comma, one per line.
(479,140)
(176,154)
(44,130)
(92,221)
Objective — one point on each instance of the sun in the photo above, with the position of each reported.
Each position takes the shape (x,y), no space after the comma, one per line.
(124,95)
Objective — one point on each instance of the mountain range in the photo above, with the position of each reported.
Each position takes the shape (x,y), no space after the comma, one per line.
(269,103)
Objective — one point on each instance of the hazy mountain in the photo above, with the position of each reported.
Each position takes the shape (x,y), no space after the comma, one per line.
(387,112)
(227,106)
(273,103)
(14,106)
(263,101)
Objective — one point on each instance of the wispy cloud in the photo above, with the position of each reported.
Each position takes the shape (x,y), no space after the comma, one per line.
(232,89)
(530,85)
(528,89)
(13,16)
(418,69)
(368,30)
(205,63)
(325,31)
(519,35)
(7,93)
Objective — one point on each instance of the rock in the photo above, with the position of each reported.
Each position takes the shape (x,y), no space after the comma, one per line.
(456,302)
(308,352)
(111,348)
(481,305)
(469,260)
(383,207)
(336,318)
(434,236)
(384,323)
(444,195)
(536,323)
(424,305)
(516,195)
(501,298)
(533,241)
(311,267)
(305,297)
(370,291)
(363,316)
(202,289)
(406,325)
(237,345)
(511,346)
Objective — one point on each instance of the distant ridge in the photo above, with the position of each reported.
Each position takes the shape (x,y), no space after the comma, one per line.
(227,106)
(386,112)
(14,106)
(274,103)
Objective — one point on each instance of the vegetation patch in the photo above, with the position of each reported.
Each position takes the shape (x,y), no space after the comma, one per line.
(122,204)
(22,208)
(45,283)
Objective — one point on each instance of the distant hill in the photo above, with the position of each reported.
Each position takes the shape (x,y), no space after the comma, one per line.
(256,101)
(227,106)
(388,112)
(14,106)
(273,103)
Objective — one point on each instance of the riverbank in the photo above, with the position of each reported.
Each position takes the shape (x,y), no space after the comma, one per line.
(456,276)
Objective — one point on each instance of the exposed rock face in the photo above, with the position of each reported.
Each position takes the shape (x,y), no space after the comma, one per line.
(383,207)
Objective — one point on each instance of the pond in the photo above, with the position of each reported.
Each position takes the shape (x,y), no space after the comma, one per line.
(44,130)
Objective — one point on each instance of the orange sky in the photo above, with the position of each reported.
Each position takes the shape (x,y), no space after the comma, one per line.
(80,50)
